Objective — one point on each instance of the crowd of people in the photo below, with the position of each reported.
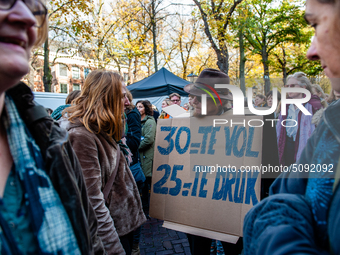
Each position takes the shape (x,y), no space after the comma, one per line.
(78,181)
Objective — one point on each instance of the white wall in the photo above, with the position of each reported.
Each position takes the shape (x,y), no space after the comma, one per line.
(50,100)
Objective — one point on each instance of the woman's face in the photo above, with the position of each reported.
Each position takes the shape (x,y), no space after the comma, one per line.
(325,19)
(141,109)
(336,94)
(315,92)
(191,99)
(258,101)
(164,104)
(125,100)
(294,83)
(212,109)
(270,101)
(17,37)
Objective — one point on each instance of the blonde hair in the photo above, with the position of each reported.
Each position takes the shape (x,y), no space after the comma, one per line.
(331,97)
(42,33)
(174,95)
(302,79)
(167,101)
(319,89)
(100,104)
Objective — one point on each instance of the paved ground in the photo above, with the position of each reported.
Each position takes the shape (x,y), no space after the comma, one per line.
(156,240)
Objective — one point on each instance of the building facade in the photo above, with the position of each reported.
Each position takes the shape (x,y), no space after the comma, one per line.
(69,71)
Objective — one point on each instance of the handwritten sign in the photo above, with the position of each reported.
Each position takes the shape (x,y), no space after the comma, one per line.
(204,176)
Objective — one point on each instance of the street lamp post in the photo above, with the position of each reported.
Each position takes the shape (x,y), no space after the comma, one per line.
(192,77)
(254,90)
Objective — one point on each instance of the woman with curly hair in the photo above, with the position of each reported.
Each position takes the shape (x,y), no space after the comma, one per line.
(146,147)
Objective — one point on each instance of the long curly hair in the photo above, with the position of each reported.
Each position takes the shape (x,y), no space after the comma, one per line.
(100,104)
(147,106)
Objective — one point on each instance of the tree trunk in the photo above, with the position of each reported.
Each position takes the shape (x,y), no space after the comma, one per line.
(284,72)
(265,70)
(185,70)
(242,64)
(130,71)
(223,58)
(149,70)
(118,65)
(135,72)
(284,67)
(47,73)
(154,34)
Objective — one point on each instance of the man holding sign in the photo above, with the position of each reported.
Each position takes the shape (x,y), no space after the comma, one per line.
(203,85)
(200,166)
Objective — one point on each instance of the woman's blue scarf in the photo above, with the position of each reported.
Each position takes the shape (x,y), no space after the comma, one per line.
(49,220)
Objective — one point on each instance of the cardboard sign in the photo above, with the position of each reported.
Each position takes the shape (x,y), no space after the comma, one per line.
(204,175)
(176,111)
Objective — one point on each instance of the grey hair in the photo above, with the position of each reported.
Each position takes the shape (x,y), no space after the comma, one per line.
(302,79)
(319,89)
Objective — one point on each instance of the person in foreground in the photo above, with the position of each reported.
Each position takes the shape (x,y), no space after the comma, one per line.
(96,127)
(44,208)
(302,214)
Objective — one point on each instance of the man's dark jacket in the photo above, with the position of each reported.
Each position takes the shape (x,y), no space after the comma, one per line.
(134,133)
(63,168)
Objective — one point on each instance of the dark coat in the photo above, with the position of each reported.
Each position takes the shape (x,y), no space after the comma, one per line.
(334,221)
(134,133)
(63,168)
(156,115)
(270,154)
(280,224)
